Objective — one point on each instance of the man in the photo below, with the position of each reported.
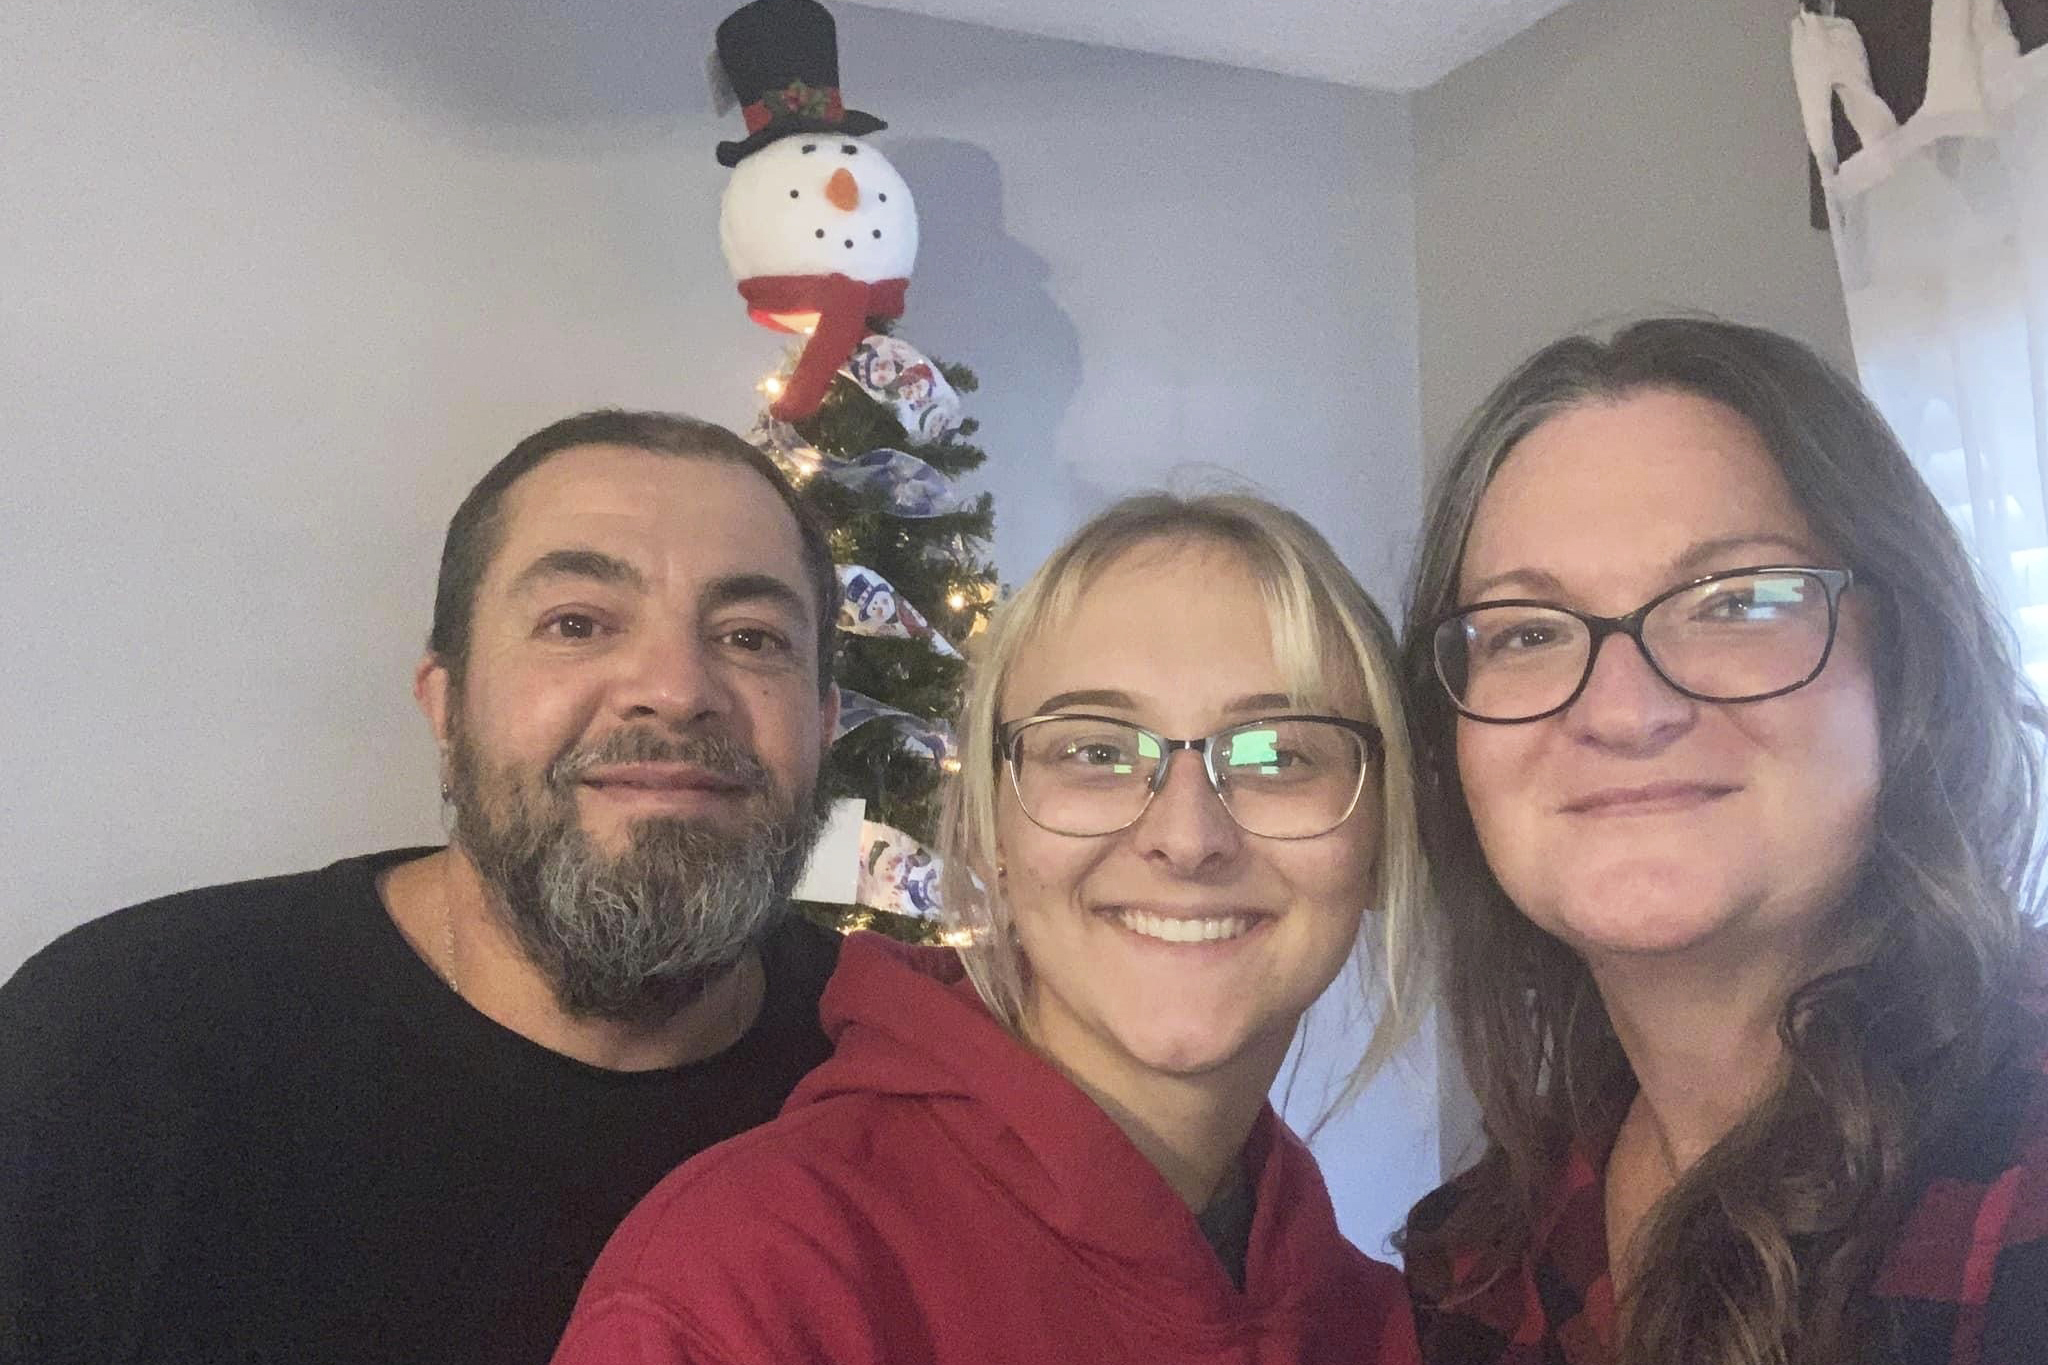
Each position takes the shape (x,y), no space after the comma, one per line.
(389,1111)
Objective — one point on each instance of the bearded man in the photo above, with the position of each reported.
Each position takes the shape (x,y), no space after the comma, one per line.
(390,1111)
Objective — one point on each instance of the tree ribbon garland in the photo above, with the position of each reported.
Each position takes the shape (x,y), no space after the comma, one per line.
(930,739)
(870,605)
(908,486)
(897,873)
(902,378)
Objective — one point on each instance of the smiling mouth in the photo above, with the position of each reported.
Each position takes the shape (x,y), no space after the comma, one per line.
(1186,929)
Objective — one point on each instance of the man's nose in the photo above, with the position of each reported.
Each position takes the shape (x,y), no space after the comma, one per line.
(1186,825)
(670,674)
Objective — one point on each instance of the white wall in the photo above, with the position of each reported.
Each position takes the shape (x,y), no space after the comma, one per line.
(1620,157)
(282,277)
(1154,264)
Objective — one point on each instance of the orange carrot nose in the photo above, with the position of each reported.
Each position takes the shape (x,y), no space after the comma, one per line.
(842,191)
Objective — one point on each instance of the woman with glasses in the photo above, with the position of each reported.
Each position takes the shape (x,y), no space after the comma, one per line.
(1185,801)
(1731,792)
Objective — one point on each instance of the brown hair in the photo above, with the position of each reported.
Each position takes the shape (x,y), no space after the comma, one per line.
(1765,1249)
(477,529)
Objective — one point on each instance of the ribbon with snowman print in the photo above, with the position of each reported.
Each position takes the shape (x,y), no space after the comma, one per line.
(869,605)
(899,376)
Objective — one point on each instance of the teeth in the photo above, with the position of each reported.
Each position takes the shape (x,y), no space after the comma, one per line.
(1185,930)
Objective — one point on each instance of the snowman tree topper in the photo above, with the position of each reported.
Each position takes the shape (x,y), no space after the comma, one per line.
(818,228)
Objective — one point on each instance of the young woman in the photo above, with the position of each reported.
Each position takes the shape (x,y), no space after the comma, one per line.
(1186,802)
(1732,791)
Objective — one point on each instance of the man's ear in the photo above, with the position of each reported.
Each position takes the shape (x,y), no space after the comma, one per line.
(430,688)
(828,714)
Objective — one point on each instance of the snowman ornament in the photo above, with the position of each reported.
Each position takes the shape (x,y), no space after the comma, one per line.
(818,229)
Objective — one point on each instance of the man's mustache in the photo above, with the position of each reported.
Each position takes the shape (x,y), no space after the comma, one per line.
(718,754)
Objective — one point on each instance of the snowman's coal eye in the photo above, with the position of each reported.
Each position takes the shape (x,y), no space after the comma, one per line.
(883,197)
(848,149)
(810,147)
(792,194)
(878,234)
(821,232)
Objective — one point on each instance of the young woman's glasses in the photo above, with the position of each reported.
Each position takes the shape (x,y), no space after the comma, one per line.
(1741,635)
(1284,777)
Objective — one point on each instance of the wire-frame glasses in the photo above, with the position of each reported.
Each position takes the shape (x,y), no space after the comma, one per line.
(1280,777)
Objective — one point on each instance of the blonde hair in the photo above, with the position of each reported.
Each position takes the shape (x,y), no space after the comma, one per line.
(1331,642)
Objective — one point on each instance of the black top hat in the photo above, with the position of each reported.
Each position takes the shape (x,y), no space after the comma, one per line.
(782,58)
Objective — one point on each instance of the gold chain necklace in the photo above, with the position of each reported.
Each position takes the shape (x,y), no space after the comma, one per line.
(448,942)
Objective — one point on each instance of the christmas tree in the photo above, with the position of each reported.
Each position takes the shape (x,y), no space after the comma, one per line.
(889,498)
(937,563)
(820,233)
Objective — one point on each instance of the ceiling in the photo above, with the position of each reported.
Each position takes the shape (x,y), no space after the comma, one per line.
(1384,44)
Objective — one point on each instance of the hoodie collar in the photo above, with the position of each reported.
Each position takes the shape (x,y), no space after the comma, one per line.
(905,1021)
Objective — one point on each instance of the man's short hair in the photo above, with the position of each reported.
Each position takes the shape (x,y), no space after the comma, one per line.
(476,531)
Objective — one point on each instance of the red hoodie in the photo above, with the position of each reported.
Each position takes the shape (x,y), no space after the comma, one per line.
(938,1193)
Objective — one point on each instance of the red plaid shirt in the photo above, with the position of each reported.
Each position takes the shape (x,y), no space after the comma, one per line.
(1965,1284)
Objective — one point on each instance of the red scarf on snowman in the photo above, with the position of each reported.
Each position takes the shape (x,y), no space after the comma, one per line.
(843,307)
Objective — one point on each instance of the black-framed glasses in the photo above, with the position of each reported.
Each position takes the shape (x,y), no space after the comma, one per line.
(1279,777)
(1735,636)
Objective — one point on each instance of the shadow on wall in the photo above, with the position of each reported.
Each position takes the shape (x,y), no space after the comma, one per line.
(983,298)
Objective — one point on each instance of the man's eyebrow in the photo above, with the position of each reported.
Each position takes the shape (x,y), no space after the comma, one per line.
(576,563)
(732,589)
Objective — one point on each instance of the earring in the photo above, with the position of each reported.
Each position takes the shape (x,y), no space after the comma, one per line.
(446,791)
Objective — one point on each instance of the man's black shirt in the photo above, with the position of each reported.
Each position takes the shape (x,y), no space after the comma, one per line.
(249,1124)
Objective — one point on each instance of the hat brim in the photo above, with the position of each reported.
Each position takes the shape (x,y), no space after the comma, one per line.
(853,123)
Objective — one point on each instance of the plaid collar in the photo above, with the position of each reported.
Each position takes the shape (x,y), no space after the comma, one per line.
(1965,1282)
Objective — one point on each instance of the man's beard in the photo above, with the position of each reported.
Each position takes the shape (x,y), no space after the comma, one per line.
(634,936)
